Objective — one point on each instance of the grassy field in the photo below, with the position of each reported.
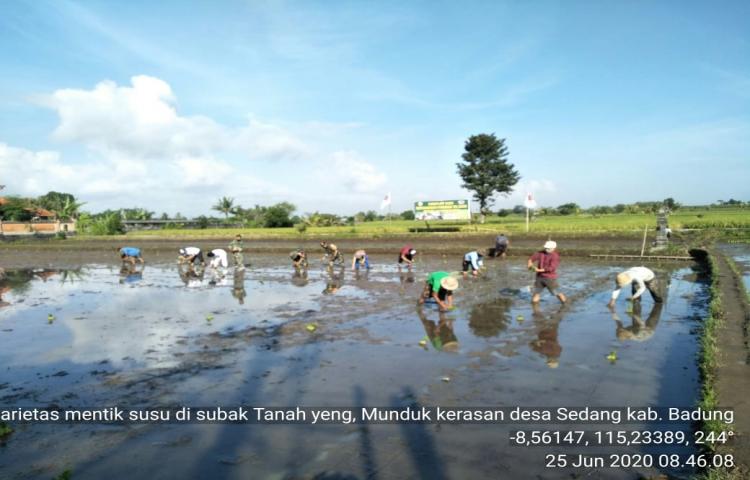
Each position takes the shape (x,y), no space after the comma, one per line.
(582,224)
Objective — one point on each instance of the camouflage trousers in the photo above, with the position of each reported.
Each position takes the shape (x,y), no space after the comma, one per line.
(239,259)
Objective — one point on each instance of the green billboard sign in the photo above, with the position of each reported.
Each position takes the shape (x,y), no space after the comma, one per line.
(442,210)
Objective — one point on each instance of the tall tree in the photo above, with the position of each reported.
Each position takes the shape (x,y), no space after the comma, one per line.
(55,201)
(224,205)
(485,169)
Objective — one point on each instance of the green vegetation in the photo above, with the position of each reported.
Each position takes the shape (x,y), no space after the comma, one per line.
(707,364)
(225,205)
(65,475)
(5,430)
(485,170)
(322,224)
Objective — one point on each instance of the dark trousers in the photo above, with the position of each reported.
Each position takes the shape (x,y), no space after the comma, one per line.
(654,289)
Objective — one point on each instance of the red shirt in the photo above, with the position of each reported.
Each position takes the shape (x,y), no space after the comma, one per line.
(547,262)
(405,251)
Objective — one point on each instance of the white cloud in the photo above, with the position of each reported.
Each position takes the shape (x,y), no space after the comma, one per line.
(34,173)
(356,174)
(141,120)
(142,151)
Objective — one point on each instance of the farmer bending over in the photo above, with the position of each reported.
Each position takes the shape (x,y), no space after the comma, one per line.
(406,255)
(439,286)
(192,255)
(299,258)
(474,260)
(640,278)
(332,255)
(217,258)
(360,260)
(130,255)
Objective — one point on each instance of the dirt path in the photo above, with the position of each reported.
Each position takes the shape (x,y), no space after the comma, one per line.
(733,375)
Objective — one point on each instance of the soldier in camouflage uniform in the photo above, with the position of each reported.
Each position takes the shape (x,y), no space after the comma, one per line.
(236,248)
(299,259)
(332,256)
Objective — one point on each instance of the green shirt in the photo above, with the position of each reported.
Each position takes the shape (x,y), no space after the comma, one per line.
(235,246)
(434,279)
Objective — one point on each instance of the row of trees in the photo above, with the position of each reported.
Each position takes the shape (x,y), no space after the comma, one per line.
(23,209)
(573,208)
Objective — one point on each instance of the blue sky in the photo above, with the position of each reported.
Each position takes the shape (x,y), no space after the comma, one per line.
(331,105)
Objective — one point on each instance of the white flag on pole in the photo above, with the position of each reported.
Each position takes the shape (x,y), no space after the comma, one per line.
(529,202)
(386,201)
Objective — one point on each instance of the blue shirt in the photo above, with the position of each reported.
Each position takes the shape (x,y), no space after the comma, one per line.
(130,251)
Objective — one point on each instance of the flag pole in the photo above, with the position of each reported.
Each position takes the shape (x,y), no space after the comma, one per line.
(527,219)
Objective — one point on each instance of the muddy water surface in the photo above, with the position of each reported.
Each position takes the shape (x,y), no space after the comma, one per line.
(96,336)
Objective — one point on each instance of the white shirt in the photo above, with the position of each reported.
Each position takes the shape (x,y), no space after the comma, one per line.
(638,275)
(473,258)
(190,251)
(219,259)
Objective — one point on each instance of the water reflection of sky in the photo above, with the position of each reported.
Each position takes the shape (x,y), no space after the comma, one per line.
(740,253)
(104,314)
(494,348)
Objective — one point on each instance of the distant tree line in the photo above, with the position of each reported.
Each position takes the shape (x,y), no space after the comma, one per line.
(23,209)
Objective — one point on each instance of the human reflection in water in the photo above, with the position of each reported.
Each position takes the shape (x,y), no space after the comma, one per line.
(490,318)
(441,334)
(3,288)
(130,273)
(546,343)
(191,276)
(334,280)
(638,331)
(238,287)
(361,274)
(299,277)
(405,278)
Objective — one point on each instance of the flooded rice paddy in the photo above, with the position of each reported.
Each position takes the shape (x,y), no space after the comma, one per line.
(96,336)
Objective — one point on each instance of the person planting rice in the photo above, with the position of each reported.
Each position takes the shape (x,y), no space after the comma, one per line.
(130,254)
(406,255)
(192,255)
(474,260)
(360,260)
(299,258)
(332,255)
(235,247)
(640,278)
(547,260)
(439,286)
(501,245)
(218,258)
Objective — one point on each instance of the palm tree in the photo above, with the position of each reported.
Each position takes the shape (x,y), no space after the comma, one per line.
(225,206)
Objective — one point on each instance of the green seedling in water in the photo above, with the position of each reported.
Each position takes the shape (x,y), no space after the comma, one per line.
(66,475)
(5,430)
(209,318)
(311,327)
(519,318)
(423,342)
(50,318)
(612,357)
